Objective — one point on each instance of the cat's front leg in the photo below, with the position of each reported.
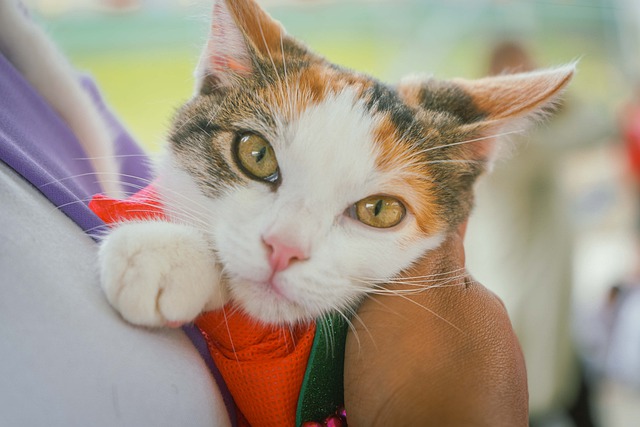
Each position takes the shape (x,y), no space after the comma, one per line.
(159,273)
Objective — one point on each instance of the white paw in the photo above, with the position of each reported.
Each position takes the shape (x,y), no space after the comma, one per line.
(159,273)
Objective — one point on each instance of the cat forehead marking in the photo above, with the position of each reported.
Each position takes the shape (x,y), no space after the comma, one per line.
(341,150)
(327,153)
(293,92)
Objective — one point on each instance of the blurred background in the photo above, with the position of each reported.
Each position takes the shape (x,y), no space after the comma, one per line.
(555,232)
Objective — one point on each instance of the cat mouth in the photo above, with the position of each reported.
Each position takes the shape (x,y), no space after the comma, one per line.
(274,286)
(268,301)
(271,288)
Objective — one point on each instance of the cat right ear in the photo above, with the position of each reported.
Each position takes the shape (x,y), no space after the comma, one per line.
(240,31)
(488,106)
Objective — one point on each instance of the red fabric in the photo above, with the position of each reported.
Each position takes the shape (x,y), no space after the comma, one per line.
(142,205)
(631,136)
(262,365)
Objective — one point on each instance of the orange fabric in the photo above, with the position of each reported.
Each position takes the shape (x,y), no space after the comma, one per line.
(263,366)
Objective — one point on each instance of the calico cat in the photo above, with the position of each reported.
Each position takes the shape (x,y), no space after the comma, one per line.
(294,187)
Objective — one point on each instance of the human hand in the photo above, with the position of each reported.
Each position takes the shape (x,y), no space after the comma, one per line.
(445,356)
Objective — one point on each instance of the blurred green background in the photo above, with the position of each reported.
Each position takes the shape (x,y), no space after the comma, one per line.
(143,56)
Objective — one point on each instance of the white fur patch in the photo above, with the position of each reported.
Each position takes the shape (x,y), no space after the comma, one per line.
(156,273)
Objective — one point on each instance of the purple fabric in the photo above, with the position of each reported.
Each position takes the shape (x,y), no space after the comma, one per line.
(39,146)
(201,345)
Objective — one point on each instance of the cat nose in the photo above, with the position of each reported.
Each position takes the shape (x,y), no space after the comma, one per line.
(283,254)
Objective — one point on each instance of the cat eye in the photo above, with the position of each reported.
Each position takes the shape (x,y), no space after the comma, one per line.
(379,211)
(257,158)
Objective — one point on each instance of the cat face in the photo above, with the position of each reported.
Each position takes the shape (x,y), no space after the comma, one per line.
(316,184)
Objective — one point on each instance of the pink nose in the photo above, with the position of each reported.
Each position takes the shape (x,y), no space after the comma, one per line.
(282,254)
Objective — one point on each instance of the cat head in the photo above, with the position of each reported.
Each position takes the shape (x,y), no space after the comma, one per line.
(316,183)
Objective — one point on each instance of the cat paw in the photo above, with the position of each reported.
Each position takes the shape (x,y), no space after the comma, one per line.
(159,273)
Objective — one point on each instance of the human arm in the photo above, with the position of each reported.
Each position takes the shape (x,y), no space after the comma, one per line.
(446,356)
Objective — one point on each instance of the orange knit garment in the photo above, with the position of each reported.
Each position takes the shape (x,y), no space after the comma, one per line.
(263,366)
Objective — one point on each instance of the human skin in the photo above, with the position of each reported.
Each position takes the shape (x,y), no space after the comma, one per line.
(446,356)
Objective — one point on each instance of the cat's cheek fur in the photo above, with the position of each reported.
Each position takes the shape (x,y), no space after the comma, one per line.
(347,262)
(182,200)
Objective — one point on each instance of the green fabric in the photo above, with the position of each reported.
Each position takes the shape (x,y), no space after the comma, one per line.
(322,391)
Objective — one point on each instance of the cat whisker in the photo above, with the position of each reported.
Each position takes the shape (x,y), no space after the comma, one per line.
(73,202)
(98,232)
(470,141)
(286,335)
(71,177)
(182,213)
(428,310)
(186,123)
(328,336)
(352,327)
(417,290)
(273,63)
(418,284)
(471,162)
(428,276)
(181,195)
(116,156)
(183,209)
(226,322)
(284,72)
(380,290)
(423,282)
(213,114)
(373,289)
(136,177)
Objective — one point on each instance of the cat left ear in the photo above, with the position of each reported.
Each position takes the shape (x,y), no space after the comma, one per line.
(240,32)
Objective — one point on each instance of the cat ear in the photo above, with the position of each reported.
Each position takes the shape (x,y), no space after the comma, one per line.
(240,32)
(489,106)
(512,96)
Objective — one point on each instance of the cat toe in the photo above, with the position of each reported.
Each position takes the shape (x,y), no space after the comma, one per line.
(157,273)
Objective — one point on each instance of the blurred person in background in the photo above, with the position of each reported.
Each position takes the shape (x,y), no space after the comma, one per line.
(620,344)
(520,244)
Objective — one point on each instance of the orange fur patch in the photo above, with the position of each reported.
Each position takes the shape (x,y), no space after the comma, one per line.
(412,181)
(264,33)
(295,93)
(410,93)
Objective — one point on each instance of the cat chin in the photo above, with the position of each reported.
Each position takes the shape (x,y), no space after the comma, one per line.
(279,306)
(272,307)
